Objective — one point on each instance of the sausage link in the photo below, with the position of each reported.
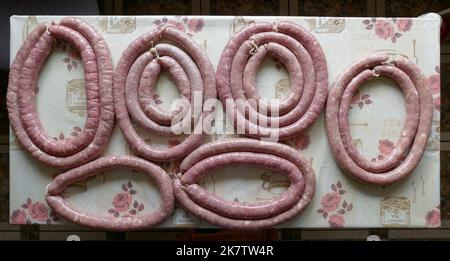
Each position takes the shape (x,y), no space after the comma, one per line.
(128,105)
(237,210)
(242,151)
(232,79)
(414,136)
(288,59)
(133,222)
(148,82)
(27,89)
(21,94)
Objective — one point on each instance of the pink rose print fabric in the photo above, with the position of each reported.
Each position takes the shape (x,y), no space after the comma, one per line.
(189,25)
(122,201)
(195,25)
(301,142)
(334,207)
(33,212)
(330,202)
(385,148)
(404,24)
(388,28)
(18,217)
(433,217)
(123,204)
(336,220)
(434,84)
(38,211)
(384,29)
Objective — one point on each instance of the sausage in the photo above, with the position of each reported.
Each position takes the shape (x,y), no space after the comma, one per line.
(236,71)
(26,93)
(132,100)
(410,126)
(414,136)
(147,85)
(244,151)
(249,211)
(134,222)
(24,72)
(129,106)
(286,57)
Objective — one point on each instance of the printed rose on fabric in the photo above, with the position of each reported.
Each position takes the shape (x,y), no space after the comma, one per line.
(122,201)
(195,25)
(38,211)
(334,207)
(434,83)
(302,142)
(183,23)
(336,220)
(330,202)
(385,147)
(33,212)
(433,218)
(404,24)
(384,29)
(18,217)
(177,24)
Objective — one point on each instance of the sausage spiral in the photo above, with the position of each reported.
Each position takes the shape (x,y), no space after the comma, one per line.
(98,71)
(303,58)
(134,222)
(414,136)
(243,151)
(133,100)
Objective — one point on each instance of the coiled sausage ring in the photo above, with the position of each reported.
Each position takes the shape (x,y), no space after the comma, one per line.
(135,77)
(133,222)
(98,72)
(244,151)
(414,136)
(303,58)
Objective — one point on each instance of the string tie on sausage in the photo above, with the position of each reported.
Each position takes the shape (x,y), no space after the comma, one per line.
(275,27)
(154,51)
(390,61)
(46,189)
(46,28)
(375,74)
(254,49)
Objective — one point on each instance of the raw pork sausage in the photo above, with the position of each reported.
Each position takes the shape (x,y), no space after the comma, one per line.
(413,139)
(242,151)
(24,72)
(304,59)
(132,100)
(133,222)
